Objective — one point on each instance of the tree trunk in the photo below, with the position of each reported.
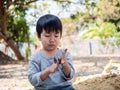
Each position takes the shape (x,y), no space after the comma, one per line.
(9,41)
(13,46)
(15,49)
(4,59)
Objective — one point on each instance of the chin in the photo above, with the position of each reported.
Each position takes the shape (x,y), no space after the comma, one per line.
(51,49)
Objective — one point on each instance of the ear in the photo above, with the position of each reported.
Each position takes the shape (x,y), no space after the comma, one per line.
(60,36)
(39,36)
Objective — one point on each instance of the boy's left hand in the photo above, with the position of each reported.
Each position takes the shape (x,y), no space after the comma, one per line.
(64,63)
(63,59)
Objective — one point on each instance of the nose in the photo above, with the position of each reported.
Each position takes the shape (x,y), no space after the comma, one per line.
(52,38)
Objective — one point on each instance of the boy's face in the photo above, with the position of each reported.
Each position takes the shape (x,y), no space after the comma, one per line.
(50,41)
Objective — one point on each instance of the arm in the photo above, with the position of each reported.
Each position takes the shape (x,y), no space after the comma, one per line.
(35,75)
(45,73)
(34,72)
(66,69)
(67,65)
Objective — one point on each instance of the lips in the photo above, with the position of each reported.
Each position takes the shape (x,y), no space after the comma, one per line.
(51,45)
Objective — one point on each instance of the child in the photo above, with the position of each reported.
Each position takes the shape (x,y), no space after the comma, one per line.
(51,67)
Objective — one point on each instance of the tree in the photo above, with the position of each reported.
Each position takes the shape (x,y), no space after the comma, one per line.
(109,11)
(17,27)
(4,14)
(106,33)
(97,11)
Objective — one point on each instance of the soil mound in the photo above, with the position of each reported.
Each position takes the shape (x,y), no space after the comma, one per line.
(103,82)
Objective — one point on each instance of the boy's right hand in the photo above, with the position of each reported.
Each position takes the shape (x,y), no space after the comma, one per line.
(54,66)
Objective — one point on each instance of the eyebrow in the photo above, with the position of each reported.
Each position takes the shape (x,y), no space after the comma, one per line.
(56,32)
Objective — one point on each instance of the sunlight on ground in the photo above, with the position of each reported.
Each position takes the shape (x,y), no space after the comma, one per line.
(14,77)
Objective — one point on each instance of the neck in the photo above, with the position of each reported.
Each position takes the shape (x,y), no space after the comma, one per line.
(50,53)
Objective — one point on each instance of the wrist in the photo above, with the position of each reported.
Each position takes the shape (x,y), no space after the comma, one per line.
(64,64)
(48,70)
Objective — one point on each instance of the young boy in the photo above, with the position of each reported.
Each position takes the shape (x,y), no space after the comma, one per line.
(51,67)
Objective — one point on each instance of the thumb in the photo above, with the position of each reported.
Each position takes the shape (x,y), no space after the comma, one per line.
(65,50)
(59,59)
(55,60)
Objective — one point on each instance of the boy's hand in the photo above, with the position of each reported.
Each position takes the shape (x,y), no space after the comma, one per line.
(63,59)
(54,66)
(64,63)
(50,69)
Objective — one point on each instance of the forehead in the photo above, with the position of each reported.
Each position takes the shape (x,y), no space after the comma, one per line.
(44,31)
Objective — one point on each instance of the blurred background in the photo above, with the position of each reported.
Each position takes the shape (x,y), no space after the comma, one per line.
(91,33)
(90,27)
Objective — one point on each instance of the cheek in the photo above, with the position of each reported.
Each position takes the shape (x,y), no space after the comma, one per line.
(43,40)
(58,40)
(44,44)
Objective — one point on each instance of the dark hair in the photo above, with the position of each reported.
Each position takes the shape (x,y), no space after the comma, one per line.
(49,23)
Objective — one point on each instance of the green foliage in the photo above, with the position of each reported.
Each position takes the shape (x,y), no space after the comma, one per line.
(116,22)
(102,32)
(33,39)
(27,52)
(91,33)
(109,12)
(68,25)
(107,30)
(117,36)
(99,11)
(17,27)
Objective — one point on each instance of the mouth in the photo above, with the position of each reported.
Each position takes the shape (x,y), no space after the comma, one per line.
(51,45)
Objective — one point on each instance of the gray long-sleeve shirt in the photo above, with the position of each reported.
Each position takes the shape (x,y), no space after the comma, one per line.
(38,62)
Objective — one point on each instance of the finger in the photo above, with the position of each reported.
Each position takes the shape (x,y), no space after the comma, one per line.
(59,59)
(65,50)
(55,60)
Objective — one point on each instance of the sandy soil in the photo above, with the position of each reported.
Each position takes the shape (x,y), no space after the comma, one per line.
(88,77)
(108,79)
(104,82)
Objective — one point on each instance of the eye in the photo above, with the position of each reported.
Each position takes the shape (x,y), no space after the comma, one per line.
(56,35)
(47,35)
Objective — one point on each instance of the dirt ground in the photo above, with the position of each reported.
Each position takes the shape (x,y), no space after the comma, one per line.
(108,77)
(89,76)
(104,82)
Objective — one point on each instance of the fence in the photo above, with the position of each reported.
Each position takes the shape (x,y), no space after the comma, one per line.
(75,46)
(90,47)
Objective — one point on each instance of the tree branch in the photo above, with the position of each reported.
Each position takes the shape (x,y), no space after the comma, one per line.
(68,1)
(24,3)
(9,2)
(3,36)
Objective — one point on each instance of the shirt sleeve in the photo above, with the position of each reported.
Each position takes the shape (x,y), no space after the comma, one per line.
(34,72)
(69,60)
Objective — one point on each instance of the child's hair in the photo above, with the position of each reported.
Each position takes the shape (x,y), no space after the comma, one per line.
(49,23)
